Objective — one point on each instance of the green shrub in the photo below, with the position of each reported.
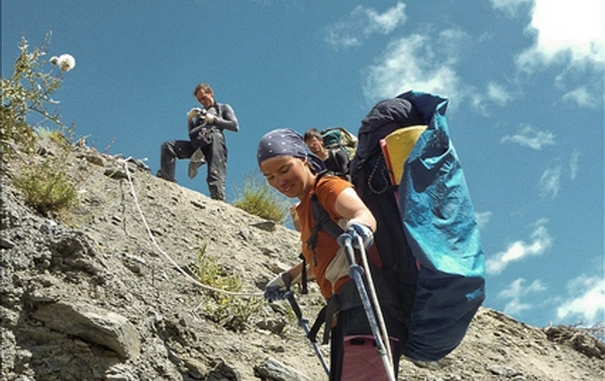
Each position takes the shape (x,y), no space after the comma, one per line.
(261,200)
(57,136)
(214,275)
(230,311)
(46,188)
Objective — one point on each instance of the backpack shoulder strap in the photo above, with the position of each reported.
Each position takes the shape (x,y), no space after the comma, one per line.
(322,220)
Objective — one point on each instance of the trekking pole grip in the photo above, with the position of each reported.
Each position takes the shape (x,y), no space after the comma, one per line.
(345,241)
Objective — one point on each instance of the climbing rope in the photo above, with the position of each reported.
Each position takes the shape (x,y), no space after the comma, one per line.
(189,277)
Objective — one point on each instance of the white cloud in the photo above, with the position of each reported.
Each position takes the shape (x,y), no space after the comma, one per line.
(476,100)
(416,62)
(498,94)
(540,242)
(565,31)
(566,35)
(483,218)
(550,182)
(586,302)
(516,291)
(494,94)
(574,165)
(532,138)
(386,22)
(515,307)
(362,23)
(509,6)
(581,96)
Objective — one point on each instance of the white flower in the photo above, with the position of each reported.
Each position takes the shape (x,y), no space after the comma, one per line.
(54,60)
(66,62)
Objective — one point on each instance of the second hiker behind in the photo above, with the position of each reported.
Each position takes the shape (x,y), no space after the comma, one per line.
(336,160)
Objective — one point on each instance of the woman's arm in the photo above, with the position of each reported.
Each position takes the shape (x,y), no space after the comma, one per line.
(349,205)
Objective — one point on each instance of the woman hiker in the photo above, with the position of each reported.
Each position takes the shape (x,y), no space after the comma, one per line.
(289,168)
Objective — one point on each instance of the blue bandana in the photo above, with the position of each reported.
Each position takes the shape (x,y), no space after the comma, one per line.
(286,142)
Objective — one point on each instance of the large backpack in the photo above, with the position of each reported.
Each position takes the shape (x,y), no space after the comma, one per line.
(339,138)
(427,234)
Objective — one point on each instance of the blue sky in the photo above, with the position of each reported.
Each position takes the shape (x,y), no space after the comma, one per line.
(524,79)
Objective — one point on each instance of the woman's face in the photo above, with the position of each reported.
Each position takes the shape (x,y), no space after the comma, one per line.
(288,175)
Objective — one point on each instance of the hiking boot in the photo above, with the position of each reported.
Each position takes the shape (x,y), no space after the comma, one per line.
(160,175)
(197,160)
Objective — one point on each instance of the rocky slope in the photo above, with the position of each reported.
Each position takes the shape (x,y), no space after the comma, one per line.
(114,295)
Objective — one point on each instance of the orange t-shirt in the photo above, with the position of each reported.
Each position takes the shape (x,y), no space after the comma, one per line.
(327,188)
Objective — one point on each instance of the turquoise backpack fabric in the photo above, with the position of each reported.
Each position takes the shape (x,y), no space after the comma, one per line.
(427,237)
(441,228)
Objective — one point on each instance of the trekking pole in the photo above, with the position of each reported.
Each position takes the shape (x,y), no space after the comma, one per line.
(374,296)
(355,272)
(303,323)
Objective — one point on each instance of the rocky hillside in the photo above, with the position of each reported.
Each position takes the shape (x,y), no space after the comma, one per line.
(114,293)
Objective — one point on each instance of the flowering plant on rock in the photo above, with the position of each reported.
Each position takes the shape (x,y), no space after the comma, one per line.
(26,97)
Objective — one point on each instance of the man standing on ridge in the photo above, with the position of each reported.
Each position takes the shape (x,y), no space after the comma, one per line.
(206,142)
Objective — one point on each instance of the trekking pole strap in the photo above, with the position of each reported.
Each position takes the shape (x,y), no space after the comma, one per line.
(326,315)
(304,279)
(319,321)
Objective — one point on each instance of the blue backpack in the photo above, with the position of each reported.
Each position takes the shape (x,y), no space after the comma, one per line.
(427,236)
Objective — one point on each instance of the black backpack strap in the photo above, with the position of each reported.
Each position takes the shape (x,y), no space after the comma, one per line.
(319,321)
(326,316)
(322,221)
(346,299)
